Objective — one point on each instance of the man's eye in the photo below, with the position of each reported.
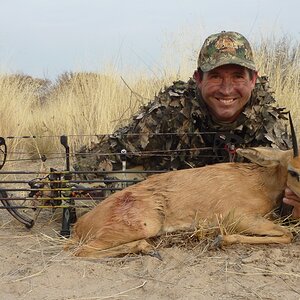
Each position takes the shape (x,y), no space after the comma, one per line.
(239,76)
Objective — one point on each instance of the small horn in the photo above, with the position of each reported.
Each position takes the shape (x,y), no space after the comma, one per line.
(294,138)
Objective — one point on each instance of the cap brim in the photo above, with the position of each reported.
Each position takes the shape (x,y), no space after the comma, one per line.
(230,61)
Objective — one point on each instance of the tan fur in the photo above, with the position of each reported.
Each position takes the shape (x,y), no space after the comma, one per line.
(180,199)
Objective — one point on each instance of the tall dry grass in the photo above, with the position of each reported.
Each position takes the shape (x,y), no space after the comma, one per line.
(279,59)
(19,98)
(84,104)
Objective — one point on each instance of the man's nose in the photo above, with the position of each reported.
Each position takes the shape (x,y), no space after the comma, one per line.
(226,86)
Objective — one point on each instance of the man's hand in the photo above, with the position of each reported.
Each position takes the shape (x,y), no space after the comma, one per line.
(292,199)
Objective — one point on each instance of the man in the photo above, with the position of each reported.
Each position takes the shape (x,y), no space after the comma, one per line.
(226,105)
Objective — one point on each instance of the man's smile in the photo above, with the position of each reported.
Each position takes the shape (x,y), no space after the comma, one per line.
(226,101)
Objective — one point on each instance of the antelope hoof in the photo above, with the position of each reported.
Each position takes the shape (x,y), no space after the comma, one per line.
(155,253)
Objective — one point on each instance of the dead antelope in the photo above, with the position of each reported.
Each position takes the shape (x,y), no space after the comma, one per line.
(178,200)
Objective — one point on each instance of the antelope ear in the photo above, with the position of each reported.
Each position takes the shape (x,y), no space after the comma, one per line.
(266,156)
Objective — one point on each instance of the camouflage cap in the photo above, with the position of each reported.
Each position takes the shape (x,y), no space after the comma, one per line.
(226,47)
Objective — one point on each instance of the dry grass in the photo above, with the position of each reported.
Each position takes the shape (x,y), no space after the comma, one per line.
(18,100)
(85,104)
(280,60)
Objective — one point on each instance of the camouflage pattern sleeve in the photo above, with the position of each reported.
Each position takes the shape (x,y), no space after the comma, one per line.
(156,137)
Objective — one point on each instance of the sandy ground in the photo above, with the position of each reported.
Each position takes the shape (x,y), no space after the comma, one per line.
(34,266)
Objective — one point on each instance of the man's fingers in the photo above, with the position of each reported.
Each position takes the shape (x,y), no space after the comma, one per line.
(295,204)
(291,201)
(289,194)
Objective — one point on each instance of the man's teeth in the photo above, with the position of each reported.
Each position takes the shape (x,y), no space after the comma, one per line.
(226,101)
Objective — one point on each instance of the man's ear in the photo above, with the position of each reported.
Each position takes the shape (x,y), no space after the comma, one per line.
(197,76)
(254,78)
(265,156)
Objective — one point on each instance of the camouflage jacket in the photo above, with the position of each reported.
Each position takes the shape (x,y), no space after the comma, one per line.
(176,131)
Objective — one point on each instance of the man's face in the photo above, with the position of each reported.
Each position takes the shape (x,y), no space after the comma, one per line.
(226,90)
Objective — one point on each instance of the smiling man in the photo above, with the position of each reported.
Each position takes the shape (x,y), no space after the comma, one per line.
(226,75)
(190,124)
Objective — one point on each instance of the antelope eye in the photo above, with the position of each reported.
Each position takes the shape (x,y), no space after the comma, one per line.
(294,174)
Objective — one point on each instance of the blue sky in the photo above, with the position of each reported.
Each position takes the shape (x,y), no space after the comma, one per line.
(44,38)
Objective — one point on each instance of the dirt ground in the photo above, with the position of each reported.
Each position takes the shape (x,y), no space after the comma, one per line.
(34,266)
